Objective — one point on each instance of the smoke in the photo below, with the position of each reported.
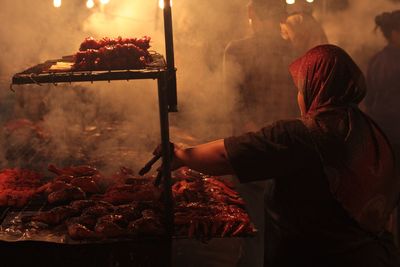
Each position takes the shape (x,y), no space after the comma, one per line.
(117,123)
(353,29)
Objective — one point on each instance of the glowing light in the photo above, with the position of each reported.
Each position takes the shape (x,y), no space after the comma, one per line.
(161,4)
(90,4)
(310,1)
(290,2)
(57,3)
(105,2)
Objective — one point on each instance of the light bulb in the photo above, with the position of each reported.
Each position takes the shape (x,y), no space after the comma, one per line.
(57,3)
(90,4)
(104,2)
(161,4)
(290,2)
(310,1)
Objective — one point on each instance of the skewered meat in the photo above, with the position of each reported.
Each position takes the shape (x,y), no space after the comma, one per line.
(87,184)
(204,220)
(66,195)
(111,226)
(108,54)
(54,216)
(75,171)
(91,43)
(205,190)
(17,186)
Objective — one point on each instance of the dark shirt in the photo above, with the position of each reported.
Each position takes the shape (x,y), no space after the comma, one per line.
(305,225)
(383,96)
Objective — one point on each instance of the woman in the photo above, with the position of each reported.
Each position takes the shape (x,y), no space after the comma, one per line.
(383,79)
(333,171)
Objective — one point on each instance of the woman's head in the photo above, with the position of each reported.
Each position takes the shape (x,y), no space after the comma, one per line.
(327,77)
(389,23)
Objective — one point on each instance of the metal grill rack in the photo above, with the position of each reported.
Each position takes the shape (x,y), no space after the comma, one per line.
(162,71)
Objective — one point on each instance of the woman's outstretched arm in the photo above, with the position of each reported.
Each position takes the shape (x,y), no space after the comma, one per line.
(210,158)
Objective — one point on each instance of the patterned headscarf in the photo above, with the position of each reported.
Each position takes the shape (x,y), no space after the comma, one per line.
(357,158)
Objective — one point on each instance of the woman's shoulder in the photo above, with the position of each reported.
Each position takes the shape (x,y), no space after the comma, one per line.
(289,125)
(290,131)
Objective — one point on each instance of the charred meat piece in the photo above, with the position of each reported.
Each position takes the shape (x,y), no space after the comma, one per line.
(111,226)
(55,216)
(87,184)
(66,195)
(75,171)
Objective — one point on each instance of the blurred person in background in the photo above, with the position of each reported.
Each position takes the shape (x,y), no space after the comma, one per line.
(383,78)
(301,28)
(255,73)
(333,171)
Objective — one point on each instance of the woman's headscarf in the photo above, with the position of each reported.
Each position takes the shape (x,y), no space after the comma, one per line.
(357,158)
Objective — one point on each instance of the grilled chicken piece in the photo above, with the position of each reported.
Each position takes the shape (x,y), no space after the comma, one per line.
(149,224)
(82,204)
(54,216)
(100,209)
(88,221)
(129,211)
(54,186)
(80,232)
(66,195)
(111,226)
(87,184)
(75,171)
(64,178)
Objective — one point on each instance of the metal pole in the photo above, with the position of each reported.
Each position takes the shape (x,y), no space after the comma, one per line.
(169,50)
(166,166)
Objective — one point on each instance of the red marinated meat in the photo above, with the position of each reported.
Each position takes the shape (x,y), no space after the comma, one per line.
(66,195)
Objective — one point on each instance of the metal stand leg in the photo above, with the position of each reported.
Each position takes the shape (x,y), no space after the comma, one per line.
(169,215)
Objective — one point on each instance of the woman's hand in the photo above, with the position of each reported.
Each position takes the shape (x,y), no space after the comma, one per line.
(175,149)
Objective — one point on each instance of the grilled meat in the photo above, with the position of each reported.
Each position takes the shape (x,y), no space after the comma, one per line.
(80,232)
(18,186)
(75,171)
(149,224)
(111,226)
(87,184)
(82,204)
(55,216)
(66,195)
